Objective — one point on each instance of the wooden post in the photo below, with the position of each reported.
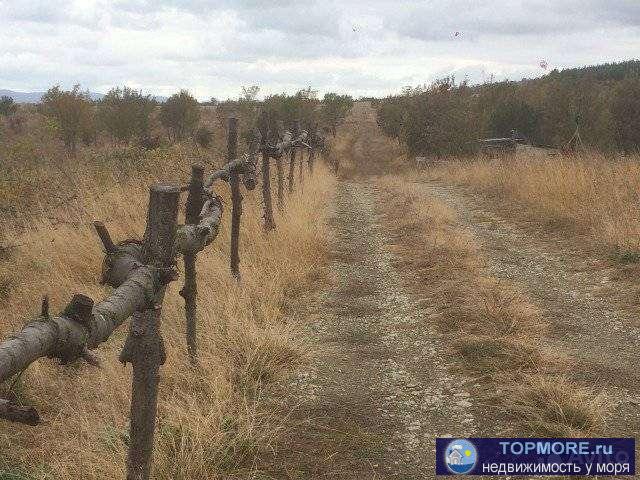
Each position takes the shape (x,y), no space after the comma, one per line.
(105,238)
(236,197)
(144,346)
(280,173)
(189,292)
(312,157)
(292,156)
(292,164)
(300,170)
(269,222)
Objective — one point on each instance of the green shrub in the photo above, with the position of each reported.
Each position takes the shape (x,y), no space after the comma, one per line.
(204,137)
(180,114)
(125,113)
(335,109)
(7,106)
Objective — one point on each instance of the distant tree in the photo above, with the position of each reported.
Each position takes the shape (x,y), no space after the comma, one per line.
(514,114)
(335,109)
(625,110)
(287,109)
(247,108)
(250,94)
(203,137)
(125,113)
(441,121)
(7,106)
(180,114)
(390,117)
(72,111)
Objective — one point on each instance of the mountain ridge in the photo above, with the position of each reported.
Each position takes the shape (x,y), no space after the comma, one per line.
(35,97)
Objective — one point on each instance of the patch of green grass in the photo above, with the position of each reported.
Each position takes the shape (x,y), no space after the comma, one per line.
(624,256)
(14,475)
(114,438)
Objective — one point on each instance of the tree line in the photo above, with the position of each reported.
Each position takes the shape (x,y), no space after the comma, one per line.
(447,118)
(125,114)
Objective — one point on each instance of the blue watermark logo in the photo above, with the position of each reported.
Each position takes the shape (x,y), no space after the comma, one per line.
(460,456)
(536,456)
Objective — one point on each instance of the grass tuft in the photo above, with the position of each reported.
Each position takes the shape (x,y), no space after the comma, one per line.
(490,323)
(554,406)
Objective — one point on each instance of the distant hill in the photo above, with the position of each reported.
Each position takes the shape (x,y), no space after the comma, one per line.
(34,97)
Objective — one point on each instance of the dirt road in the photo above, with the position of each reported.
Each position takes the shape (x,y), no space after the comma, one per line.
(379,389)
(383,383)
(591,316)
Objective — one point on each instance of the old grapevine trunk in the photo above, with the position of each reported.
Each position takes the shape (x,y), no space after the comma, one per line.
(67,335)
(236,198)
(144,347)
(195,202)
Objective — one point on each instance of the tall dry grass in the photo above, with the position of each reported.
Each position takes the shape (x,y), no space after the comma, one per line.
(588,193)
(491,325)
(211,421)
(361,147)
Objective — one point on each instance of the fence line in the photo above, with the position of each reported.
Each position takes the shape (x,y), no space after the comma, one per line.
(139,272)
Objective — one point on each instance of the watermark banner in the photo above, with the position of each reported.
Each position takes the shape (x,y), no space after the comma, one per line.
(536,456)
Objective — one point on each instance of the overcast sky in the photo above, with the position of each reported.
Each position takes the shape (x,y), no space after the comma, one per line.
(361,47)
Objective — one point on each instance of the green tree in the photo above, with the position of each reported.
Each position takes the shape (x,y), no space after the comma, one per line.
(335,109)
(72,112)
(7,106)
(390,117)
(625,110)
(180,114)
(287,109)
(125,113)
(514,114)
(440,121)
(250,94)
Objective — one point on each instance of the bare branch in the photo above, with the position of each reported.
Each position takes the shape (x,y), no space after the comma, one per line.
(194,238)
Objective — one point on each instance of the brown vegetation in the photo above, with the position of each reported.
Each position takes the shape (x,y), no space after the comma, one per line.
(587,194)
(211,422)
(492,326)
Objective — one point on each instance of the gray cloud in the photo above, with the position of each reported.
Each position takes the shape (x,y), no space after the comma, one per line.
(362,47)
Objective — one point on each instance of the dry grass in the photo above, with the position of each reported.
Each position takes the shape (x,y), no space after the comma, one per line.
(211,421)
(588,194)
(553,406)
(491,325)
(361,147)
